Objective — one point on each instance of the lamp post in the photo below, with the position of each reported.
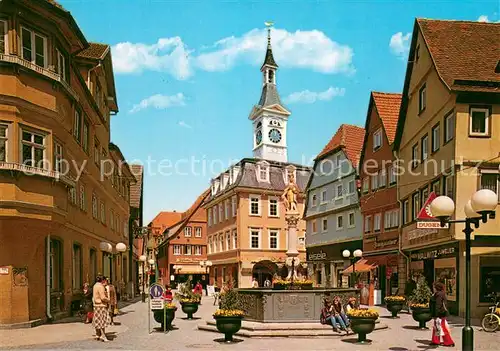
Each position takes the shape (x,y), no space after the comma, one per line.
(355,255)
(479,208)
(106,249)
(143,259)
(120,249)
(151,264)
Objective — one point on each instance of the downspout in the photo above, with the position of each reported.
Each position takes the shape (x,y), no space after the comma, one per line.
(89,72)
(400,227)
(47,278)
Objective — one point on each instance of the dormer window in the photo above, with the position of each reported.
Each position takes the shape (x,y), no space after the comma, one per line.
(236,172)
(263,172)
(216,185)
(225,180)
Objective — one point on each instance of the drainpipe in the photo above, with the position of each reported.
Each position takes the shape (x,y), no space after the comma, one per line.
(90,71)
(47,278)
(400,227)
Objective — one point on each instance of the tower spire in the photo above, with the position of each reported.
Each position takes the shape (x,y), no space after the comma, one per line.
(269,59)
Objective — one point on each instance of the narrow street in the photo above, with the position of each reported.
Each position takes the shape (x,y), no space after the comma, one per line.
(132,334)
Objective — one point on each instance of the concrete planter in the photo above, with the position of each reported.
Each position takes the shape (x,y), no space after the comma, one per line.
(160,315)
(189,308)
(394,307)
(421,315)
(362,326)
(228,326)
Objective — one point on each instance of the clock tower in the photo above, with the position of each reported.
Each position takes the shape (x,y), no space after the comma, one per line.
(269,117)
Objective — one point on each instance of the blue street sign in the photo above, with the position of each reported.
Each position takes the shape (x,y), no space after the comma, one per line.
(156,291)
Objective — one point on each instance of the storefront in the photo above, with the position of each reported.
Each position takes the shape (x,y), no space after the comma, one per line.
(439,263)
(326,263)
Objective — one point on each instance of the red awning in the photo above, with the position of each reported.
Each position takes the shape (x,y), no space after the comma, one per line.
(362,265)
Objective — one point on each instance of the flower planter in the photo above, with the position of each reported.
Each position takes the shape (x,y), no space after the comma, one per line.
(421,315)
(395,307)
(362,326)
(306,286)
(160,315)
(228,325)
(279,287)
(189,308)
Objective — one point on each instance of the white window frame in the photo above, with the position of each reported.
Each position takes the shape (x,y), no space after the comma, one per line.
(338,160)
(377,139)
(198,250)
(103,212)
(77,120)
(490,172)
(189,250)
(234,207)
(392,175)
(422,98)
(95,206)
(259,205)
(58,156)
(33,35)
(341,187)
(221,242)
(382,182)
(314,199)
(367,220)
(197,232)
(446,180)
(324,198)
(177,250)
(486,122)
(277,205)
(226,209)
(415,209)
(188,232)
(424,147)
(72,195)
(436,137)
(366,185)
(314,226)
(274,233)
(415,157)
(377,222)
(349,225)
(221,212)
(259,236)
(449,127)
(235,239)
(374,181)
(209,246)
(387,219)
(214,209)
(209,217)
(228,240)
(6,140)
(3,23)
(263,172)
(324,228)
(352,184)
(82,200)
(61,65)
(341,215)
(85,135)
(405,211)
(33,145)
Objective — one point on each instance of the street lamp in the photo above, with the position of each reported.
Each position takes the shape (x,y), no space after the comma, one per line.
(480,207)
(151,266)
(120,249)
(206,264)
(143,259)
(356,255)
(107,250)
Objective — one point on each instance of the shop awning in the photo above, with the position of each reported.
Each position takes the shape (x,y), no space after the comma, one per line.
(362,265)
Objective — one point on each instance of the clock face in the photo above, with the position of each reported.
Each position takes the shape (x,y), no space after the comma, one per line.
(258,137)
(275,135)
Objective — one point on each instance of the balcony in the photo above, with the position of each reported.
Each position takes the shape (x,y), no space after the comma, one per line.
(29,171)
(40,70)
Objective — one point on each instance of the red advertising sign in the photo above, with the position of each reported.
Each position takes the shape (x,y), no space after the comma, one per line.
(425,213)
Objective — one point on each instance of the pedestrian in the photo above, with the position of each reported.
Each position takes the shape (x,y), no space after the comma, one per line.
(339,314)
(100,301)
(267,283)
(255,283)
(167,294)
(87,304)
(439,312)
(351,304)
(110,289)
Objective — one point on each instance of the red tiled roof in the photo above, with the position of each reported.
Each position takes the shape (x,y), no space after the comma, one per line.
(348,137)
(55,3)
(94,51)
(388,105)
(199,202)
(136,188)
(461,50)
(164,220)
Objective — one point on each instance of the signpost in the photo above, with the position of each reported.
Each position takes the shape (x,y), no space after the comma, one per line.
(156,302)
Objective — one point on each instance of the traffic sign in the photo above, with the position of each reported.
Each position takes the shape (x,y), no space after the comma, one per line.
(157,304)
(156,291)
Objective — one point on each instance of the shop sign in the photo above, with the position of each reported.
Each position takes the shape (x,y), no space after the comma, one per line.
(419,233)
(320,256)
(433,254)
(431,225)
(385,243)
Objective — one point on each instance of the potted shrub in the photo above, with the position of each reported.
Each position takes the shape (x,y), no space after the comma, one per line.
(188,299)
(362,322)
(168,313)
(420,303)
(230,314)
(394,304)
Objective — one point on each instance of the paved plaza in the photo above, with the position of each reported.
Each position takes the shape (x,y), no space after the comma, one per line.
(133,334)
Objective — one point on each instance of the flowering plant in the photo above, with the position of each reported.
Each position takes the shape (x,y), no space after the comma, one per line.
(170,306)
(363,312)
(497,311)
(189,300)
(303,282)
(281,281)
(228,313)
(395,298)
(419,305)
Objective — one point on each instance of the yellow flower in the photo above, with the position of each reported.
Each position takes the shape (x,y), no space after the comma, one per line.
(171,306)
(497,311)
(229,313)
(395,299)
(186,300)
(363,312)
(419,305)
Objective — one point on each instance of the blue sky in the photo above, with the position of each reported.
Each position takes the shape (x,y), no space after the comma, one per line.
(187,75)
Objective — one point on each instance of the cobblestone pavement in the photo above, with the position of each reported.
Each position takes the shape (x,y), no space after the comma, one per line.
(133,334)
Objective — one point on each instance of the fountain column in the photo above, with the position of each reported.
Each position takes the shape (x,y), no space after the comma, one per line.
(292,260)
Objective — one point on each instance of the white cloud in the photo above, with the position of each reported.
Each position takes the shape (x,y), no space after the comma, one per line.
(301,49)
(309,97)
(160,102)
(167,55)
(184,124)
(483,18)
(400,44)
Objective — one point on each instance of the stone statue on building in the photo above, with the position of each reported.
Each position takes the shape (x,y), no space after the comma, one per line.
(290,195)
